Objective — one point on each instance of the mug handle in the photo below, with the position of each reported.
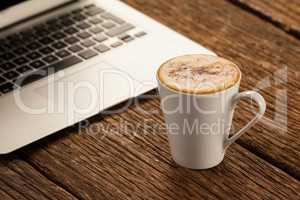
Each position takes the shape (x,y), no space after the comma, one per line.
(262,108)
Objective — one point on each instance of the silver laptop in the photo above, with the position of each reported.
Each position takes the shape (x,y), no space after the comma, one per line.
(62,61)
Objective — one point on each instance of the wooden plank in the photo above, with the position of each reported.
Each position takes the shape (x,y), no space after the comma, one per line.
(123,157)
(266,55)
(282,13)
(5,196)
(18,180)
(135,166)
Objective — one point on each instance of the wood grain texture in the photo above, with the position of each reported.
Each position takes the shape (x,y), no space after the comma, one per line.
(19,180)
(267,57)
(123,157)
(117,158)
(5,196)
(282,13)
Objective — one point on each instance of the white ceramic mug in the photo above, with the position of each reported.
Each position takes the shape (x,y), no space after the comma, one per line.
(198,126)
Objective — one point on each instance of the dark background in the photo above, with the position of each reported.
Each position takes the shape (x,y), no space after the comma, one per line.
(8,3)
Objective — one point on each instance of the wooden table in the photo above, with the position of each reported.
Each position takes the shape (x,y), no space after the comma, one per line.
(263,37)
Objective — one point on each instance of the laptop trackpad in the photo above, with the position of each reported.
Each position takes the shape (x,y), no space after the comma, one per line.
(94,88)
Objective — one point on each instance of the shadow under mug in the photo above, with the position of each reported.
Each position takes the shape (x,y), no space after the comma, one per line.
(198,125)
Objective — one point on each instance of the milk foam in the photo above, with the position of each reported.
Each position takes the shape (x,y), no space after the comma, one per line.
(200,74)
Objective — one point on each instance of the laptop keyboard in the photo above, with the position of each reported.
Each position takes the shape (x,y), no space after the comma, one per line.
(60,43)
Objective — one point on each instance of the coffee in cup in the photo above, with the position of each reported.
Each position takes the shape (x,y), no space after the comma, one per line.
(199,94)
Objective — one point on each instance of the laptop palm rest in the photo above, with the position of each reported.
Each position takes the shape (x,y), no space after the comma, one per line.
(62,103)
(94,88)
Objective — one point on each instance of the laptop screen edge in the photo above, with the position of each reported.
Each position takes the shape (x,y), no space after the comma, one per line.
(26,9)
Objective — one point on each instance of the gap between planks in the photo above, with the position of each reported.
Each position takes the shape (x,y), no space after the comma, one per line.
(291,31)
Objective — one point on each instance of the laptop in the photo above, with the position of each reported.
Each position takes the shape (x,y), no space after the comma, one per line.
(63,61)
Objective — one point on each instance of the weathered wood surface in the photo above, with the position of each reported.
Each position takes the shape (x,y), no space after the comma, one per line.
(263,51)
(19,180)
(282,13)
(132,162)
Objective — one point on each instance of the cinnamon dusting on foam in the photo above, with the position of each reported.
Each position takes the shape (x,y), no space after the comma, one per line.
(199,74)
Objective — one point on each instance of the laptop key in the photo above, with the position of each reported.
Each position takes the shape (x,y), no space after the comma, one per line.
(78,10)
(94,11)
(44,72)
(140,34)
(119,30)
(7,87)
(56,27)
(87,54)
(28,39)
(11,75)
(100,38)
(3,43)
(63,64)
(21,51)
(63,53)
(108,25)
(2,80)
(59,45)
(37,64)
(7,66)
(59,35)
(46,40)
(64,16)
(79,17)
(42,33)
(15,43)
(84,35)
(50,59)
(72,40)
(96,30)
(75,48)
(109,16)
(88,43)
(67,22)
(24,69)
(2,49)
(84,25)
(46,50)
(34,46)
(116,44)
(102,48)
(90,6)
(34,55)
(7,56)
(15,36)
(96,20)
(126,38)
(21,61)
(71,30)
